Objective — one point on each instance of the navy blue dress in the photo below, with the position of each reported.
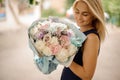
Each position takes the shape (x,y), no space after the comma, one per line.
(67,74)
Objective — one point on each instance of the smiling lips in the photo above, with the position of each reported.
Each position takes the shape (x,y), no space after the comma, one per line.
(80,21)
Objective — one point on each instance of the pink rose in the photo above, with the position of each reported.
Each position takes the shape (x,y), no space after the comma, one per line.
(70,33)
(47,37)
(45,26)
(55,49)
(64,41)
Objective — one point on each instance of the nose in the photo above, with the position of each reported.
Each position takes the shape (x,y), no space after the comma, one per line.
(79,16)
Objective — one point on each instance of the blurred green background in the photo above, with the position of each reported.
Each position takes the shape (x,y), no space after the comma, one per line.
(111,8)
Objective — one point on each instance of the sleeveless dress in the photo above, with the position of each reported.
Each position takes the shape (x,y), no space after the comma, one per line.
(67,74)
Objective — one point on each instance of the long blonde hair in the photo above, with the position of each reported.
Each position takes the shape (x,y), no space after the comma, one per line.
(96,8)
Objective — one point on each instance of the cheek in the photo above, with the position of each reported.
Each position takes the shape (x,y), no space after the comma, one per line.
(76,17)
(89,19)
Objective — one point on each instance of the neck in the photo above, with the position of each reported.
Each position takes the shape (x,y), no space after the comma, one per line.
(85,28)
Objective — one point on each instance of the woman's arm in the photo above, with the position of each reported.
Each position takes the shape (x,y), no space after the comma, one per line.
(90,54)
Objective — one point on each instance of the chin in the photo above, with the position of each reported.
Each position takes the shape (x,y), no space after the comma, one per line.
(80,25)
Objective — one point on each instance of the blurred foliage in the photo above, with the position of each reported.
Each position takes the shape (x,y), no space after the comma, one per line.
(0,1)
(112,7)
(69,3)
(33,2)
(51,12)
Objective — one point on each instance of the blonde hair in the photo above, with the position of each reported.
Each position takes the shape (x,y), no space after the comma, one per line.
(96,8)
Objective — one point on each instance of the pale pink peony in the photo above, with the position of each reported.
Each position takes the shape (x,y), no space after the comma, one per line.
(64,41)
(71,50)
(62,56)
(47,51)
(54,40)
(55,48)
(70,33)
(44,26)
(39,45)
(47,38)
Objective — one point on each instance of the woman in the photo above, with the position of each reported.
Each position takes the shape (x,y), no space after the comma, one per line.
(89,16)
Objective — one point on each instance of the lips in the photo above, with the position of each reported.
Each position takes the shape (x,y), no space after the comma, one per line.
(80,21)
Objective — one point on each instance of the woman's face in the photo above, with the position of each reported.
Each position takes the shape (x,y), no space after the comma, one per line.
(82,14)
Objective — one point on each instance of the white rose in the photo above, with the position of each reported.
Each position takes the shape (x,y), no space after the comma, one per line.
(47,51)
(64,26)
(38,26)
(54,40)
(72,50)
(53,27)
(39,45)
(46,22)
(47,38)
(33,31)
(62,56)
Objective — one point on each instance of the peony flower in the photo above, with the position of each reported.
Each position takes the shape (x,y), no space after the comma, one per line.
(58,32)
(33,31)
(38,26)
(72,50)
(70,33)
(62,56)
(54,27)
(64,41)
(55,48)
(47,38)
(39,45)
(39,35)
(54,40)
(47,51)
(45,26)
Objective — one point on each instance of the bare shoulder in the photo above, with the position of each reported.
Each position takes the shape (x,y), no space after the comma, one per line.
(91,47)
(92,37)
(92,40)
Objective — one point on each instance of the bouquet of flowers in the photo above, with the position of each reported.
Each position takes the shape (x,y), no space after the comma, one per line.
(56,39)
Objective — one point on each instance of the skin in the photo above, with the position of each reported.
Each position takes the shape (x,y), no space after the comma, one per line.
(84,19)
